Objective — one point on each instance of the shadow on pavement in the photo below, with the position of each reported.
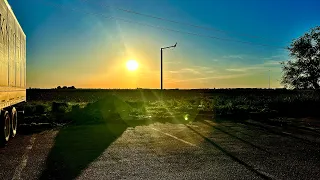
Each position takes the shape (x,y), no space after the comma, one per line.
(93,129)
(236,137)
(229,154)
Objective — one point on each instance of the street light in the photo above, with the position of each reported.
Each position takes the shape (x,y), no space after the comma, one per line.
(269,78)
(161,76)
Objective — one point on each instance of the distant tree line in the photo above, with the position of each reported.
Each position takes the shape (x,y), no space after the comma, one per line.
(65,87)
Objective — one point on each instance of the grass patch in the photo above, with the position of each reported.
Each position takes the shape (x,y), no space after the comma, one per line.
(57,105)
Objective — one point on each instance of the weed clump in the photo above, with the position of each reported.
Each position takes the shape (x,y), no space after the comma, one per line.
(59,107)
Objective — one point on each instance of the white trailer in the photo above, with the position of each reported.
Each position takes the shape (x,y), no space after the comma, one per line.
(12,70)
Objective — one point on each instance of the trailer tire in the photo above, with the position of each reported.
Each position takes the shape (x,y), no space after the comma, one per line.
(4,128)
(14,122)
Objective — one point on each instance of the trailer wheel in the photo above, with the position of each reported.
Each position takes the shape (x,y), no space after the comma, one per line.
(14,122)
(5,128)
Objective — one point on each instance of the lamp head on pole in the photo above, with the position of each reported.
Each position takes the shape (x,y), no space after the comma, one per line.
(175,45)
(169,47)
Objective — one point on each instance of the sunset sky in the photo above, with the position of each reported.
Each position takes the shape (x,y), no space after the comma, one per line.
(74,42)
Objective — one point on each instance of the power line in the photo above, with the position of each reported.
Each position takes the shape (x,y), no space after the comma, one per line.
(164,28)
(173,21)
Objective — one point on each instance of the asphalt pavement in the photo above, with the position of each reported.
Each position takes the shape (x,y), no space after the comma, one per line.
(199,150)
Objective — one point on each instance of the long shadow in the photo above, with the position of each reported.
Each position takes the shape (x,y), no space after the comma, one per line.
(249,125)
(227,153)
(279,133)
(93,129)
(287,125)
(239,131)
(236,137)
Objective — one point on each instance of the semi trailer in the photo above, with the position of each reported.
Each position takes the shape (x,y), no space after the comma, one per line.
(12,71)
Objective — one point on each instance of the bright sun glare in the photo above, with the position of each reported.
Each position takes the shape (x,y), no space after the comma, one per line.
(132,65)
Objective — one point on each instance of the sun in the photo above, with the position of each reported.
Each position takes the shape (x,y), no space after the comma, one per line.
(132,65)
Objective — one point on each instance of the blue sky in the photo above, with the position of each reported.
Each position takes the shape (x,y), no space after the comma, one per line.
(74,42)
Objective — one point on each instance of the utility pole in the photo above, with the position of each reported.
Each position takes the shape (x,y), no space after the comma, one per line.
(161,70)
(161,73)
(269,78)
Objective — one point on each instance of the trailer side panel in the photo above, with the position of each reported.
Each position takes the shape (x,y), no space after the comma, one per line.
(12,58)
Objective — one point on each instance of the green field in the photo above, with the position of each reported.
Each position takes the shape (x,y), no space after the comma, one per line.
(53,105)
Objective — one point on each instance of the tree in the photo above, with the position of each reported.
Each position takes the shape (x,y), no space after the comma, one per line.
(303,71)
(71,87)
(59,87)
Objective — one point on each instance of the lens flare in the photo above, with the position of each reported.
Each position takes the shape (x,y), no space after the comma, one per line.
(186,117)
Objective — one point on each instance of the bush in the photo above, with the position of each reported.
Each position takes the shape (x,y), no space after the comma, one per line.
(29,110)
(40,109)
(59,107)
(75,107)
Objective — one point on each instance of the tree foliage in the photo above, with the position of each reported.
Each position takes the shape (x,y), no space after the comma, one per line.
(71,87)
(303,70)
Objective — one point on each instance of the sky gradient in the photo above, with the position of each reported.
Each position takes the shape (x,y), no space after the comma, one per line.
(74,42)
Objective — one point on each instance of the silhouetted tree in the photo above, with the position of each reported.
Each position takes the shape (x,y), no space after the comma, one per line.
(59,87)
(303,71)
(64,87)
(71,87)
